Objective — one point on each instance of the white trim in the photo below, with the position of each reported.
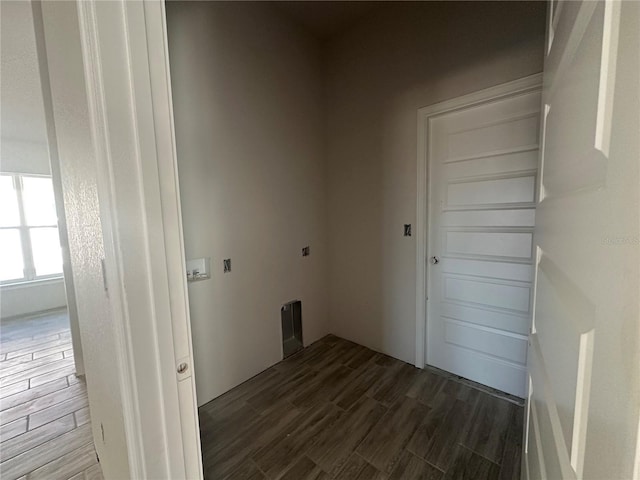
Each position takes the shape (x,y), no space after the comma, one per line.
(113,257)
(39,314)
(169,190)
(32,283)
(126,66)
(425,114)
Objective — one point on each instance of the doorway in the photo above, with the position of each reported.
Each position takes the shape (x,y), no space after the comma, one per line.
(44,406)
(481,154)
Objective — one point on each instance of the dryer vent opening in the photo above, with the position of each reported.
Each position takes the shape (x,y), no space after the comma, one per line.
(291,316)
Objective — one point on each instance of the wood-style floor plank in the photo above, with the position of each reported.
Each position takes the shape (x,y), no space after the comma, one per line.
(47,403)
(27,357)
(305,469)
(6,371)
(396,384)
(14,388)
(93,472)
(280,388)
(15,348)
(32,438)
(442,444)
(511,456)
(384,445)
(48,351)
(427,387)
(360,383)
(82,416)
(489,426)
(13,429)
(410,467)
(295,439)
(47,452)
(247,471)
(339,410)
(45,429)
(322,387)
(357,468)
(70,369)
(468,465)
(32,393)
(334,446)
(67,465)
(36,371)
(245,438)
(58,410)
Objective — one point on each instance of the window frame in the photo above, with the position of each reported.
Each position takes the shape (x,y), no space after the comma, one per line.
(29,269)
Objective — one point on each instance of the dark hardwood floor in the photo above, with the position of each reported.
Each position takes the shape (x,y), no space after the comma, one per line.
(339,410)
(45,430)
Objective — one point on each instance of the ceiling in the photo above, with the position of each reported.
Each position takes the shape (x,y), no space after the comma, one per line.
(325,18)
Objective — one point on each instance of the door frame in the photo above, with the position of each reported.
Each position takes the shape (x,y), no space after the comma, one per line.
(130,117)
(502,91)
(159,397)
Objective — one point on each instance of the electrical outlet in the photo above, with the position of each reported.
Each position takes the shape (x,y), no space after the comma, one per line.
(227,265)
(306,251)
(407,229)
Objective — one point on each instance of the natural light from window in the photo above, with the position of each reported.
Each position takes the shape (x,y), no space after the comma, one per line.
(29,242)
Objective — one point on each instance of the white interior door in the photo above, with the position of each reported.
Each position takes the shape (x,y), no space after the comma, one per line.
(584,383)
(483,162)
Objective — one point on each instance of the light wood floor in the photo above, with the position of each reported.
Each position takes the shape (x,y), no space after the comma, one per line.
(339,410)
(45,430)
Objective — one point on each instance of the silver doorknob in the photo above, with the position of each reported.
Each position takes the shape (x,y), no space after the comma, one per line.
(435,260)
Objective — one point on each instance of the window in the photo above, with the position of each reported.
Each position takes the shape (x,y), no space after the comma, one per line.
(29,242)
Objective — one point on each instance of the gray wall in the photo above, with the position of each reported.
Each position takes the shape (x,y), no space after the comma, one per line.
(247,94)
(284,142)
(402,57)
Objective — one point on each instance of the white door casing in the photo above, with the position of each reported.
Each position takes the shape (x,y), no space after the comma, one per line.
(481,151)
(125,48)
(583,385)
(114,121)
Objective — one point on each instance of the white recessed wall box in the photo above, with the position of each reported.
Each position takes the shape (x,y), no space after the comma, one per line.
(198,269)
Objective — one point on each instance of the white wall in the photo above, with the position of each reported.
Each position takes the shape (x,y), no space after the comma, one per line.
(28,298)
(402,57)
(23,140)
(23,145)
(23,156)
(248,105)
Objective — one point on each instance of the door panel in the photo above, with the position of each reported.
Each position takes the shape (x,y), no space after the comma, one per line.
(506,134)
(507,322)
(496,243)
(483,177)
(584,379)
(495,191)
(519,160)
(486,293)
